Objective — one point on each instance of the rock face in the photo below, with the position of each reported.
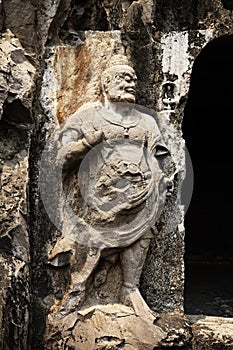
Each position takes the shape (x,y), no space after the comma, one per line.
(114,326)
(52,54)
(117,173)
(211,332)
(17,86)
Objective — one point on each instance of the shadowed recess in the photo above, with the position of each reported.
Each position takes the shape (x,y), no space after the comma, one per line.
(208,138)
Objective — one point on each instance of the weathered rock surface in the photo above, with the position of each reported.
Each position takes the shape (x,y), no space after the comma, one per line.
(20,17)
(112,326)
(215,333)
(69,43)
(17,86)
(72,74)
(115,326)
(16,95)
(66,86)
(16,80)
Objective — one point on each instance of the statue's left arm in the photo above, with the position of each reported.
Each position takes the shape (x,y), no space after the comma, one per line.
(162,153)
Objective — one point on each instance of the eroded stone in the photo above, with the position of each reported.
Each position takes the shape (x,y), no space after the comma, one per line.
(211,332)
(112,326)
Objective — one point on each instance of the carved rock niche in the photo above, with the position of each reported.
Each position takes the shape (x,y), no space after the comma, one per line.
(113,174)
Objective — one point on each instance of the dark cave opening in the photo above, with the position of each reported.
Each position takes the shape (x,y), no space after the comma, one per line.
(208,221)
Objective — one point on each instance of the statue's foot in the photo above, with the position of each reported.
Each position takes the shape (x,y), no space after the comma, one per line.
(130,296)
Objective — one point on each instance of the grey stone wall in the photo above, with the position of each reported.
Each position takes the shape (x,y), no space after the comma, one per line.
(47,51)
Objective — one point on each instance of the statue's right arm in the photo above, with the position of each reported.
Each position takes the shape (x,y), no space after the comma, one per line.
(76,139)
(72,147)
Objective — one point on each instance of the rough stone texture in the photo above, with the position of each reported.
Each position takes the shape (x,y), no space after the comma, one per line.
(72,74)
(211,332)
(17,80)
(150,56)
(20,17)
(17,86)
(161,39)
(192,15)
(61,99)
(64,96)
(15,303)
(112,326)
(122,275)
(142,46)
(51,16)
(116,326)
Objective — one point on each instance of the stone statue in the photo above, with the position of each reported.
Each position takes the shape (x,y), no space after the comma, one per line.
(115,185)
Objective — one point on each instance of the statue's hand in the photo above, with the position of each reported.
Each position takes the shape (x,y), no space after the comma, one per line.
(92,138)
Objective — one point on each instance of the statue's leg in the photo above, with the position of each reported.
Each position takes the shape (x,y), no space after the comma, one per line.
(132,260)
(76,292)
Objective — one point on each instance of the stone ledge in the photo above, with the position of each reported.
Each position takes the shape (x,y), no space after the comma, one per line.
(209,332)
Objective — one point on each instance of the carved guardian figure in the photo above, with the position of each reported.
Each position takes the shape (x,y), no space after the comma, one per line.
(115,189)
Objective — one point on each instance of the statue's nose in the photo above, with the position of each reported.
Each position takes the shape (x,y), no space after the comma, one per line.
(132,83)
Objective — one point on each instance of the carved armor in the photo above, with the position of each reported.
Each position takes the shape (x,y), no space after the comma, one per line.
(120,180)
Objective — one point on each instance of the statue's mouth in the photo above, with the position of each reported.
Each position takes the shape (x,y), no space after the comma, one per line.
(130,90)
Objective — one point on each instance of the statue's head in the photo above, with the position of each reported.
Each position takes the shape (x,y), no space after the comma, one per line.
(119,80)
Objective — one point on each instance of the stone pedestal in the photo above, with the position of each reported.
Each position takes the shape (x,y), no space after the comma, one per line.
(112,326)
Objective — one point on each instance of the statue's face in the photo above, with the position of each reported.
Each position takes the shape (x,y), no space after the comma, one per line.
(122,86)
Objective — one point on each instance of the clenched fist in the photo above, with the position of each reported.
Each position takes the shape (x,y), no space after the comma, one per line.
(92,138)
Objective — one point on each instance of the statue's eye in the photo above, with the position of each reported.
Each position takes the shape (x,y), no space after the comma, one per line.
(128,78)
